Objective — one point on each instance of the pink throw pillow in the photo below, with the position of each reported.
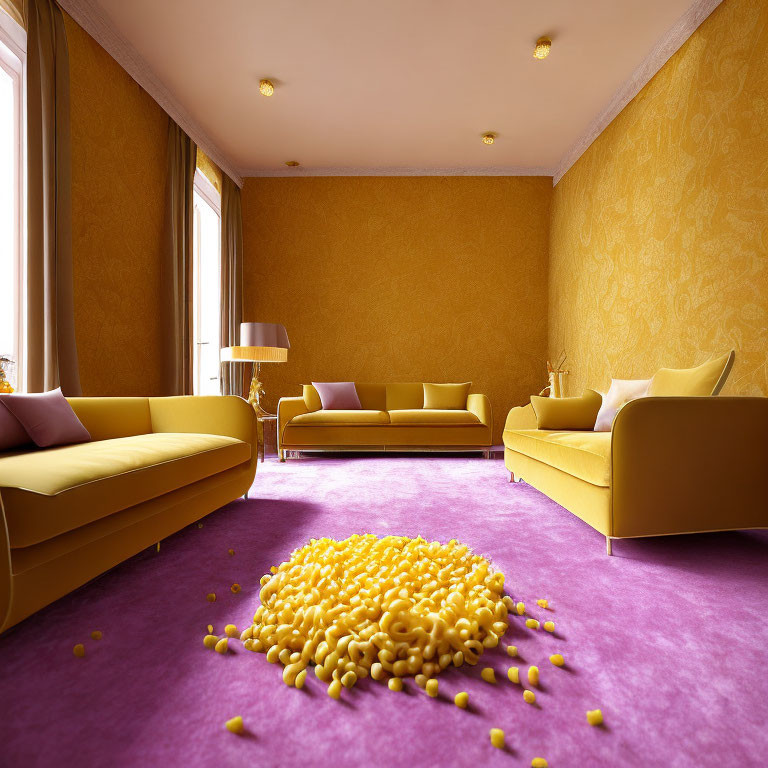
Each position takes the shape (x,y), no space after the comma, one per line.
(47,418)
(12,434)
(620,393)
(338,395)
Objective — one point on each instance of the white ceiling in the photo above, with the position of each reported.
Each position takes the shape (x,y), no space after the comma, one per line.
(393,85)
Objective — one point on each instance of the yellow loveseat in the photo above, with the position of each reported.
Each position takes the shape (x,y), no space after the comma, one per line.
(670,465)
(154,465)
(392,418)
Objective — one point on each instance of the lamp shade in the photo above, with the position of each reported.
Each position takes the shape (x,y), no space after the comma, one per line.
(263,335)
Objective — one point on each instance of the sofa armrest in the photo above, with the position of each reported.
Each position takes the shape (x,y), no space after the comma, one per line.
(6,577)
(229,416)
(687,464)
(522,417)
(287,408)
(480,405)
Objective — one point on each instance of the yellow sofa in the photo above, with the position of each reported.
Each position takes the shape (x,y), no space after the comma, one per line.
(393,418)
(155,465)
(670,465)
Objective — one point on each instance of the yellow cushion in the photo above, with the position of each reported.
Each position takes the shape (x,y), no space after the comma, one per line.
(432,417)
(567,412)
(706,380)
(373,397)
(586,455)
(402,396)
(108,417)
(451,397)
(339,418)
(46,493)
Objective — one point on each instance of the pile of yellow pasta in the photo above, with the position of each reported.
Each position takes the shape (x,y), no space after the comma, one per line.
(374,606)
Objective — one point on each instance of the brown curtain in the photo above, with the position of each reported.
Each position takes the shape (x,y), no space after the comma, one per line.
(51,355)
(177,268)
(231,277)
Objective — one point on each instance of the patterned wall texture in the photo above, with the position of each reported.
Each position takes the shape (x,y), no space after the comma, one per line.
(659,238)
(119,138)
(402,279)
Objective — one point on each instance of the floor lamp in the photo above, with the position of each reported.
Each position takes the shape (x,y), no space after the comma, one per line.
(259,343)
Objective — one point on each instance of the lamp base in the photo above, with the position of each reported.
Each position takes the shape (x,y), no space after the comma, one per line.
(254,394)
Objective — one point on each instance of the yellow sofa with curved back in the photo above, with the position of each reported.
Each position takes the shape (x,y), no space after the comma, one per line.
(156,464)
(681,460)
(392,418)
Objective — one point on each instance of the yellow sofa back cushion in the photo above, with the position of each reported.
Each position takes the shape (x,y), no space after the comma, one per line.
(705,380)
(403,397)
(109,417)
(567,412)
(447,397)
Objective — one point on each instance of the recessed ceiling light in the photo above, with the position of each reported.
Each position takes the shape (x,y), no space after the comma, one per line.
(543,46)
(489,138)
(266,87)
(292,163)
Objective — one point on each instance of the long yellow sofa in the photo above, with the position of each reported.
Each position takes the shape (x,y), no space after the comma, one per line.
(392,418)
(154,465)
(670,465)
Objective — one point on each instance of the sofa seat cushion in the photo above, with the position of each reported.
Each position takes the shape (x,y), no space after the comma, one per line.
(432,417)
(46,493)
(338,418)
(586,455)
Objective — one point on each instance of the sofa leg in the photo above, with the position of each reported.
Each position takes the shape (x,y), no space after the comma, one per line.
(245,495)
(282,455)
(608,545)
(511,477)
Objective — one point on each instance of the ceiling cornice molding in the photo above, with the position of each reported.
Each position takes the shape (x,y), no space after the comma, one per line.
(288,172)
(659,55)
(92,19)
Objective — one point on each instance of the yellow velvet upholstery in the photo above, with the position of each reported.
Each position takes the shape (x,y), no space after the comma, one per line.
(155,465)
(303,425)
(705,380)
(671,465)
(567,412)
(446,396)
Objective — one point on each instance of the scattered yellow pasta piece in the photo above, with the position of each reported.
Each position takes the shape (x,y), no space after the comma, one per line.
(230,630)
(531,623)
(348,679)
(374,606)
(542,603)
(221,645)
(520,608)
(557,659)
(300,678)
(533,675)
(79,650)
(395,684)
(539,762)
(210,629)
(211,597)
(209,641)
(549,626)
(96,634)
(512,650)
(235,725)
(529,696)
(461,700)
(421,681)
(513,673)
(230,552)
(488,675)
(246,634)
(497,738)
(235,588)
(199,525)
(594,717)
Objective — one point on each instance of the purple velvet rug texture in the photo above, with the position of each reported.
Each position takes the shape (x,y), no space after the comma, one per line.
(668,638)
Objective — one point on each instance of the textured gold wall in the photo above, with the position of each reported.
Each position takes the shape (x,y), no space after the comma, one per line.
(402,279)
(119,161)
(659,237)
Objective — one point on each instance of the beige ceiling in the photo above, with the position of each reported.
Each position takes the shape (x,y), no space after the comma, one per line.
(392,84)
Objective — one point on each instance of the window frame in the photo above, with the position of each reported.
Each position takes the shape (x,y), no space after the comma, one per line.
(13,61)
(208,192)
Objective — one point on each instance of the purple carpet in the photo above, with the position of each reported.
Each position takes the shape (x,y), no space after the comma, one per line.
(668,638)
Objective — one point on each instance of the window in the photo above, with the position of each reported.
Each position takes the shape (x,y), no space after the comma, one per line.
(12,240)
(206,286)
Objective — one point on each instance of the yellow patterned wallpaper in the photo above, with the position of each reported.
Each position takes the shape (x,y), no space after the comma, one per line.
(402,279)
(119,162)
(659,235)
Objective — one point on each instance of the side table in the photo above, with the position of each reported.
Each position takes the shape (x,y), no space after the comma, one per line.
(267,434)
